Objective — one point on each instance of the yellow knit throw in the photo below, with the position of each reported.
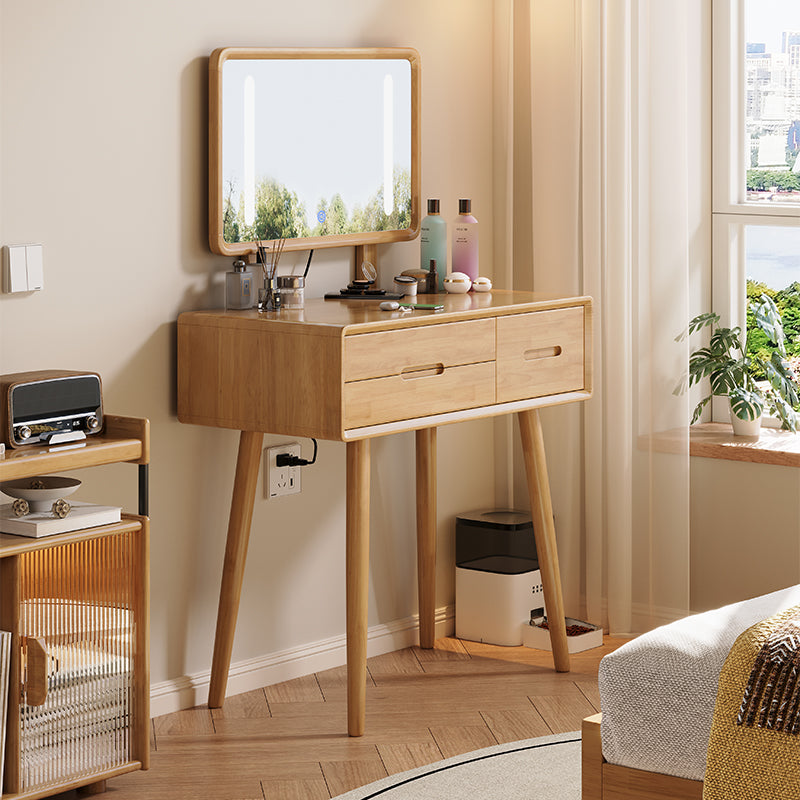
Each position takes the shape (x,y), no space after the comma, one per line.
(754,747)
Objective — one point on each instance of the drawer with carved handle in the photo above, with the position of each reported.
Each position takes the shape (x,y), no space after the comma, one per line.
(539,354)
(376,355)
(412,372)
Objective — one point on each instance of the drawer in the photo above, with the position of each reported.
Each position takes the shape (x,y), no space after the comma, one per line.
(540,353)
(378,355)
(435,390)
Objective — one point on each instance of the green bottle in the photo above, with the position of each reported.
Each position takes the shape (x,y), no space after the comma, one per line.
(433,243)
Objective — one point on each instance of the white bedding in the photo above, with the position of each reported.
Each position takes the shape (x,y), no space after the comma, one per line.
(657,691)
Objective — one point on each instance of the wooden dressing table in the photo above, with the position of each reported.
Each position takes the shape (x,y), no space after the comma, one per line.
(348,371)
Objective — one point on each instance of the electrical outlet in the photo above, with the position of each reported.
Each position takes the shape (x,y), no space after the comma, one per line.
(281,480)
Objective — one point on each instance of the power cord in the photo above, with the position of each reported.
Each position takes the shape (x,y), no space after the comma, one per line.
(288,460)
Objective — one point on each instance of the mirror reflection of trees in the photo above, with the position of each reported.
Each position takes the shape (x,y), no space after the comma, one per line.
(279,212)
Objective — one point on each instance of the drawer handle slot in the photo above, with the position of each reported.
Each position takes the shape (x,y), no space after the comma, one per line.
(424,371)
(542,352)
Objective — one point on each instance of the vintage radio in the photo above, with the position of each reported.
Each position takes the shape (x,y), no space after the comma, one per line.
(50,407)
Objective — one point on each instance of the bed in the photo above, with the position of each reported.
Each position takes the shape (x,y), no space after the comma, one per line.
(657,695)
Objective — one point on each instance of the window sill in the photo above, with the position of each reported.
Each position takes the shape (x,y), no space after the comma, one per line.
(716,440)
(772,446)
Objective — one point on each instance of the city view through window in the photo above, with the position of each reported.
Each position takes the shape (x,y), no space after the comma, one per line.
(772,141)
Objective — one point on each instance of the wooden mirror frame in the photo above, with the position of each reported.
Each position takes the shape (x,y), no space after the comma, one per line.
(215,179)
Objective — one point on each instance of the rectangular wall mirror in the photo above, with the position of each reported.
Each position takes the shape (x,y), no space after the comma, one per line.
(318,146)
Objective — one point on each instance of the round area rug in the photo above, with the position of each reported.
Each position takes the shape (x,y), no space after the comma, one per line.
(547,768)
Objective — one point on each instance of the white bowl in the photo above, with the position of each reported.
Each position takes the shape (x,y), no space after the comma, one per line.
(40,492)
(457,283)
(481,284)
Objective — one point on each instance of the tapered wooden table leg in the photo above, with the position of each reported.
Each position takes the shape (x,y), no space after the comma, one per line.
(357,579)
(426,534)
(244,492)
(545,533)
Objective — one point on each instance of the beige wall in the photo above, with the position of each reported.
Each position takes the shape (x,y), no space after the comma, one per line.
(103,161)
(745,522)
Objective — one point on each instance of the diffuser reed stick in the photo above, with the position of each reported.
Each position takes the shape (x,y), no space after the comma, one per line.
(277,251)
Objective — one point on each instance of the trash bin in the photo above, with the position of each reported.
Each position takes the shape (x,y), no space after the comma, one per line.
(498,581)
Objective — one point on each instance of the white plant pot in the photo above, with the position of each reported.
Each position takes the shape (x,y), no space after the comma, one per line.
(745,427)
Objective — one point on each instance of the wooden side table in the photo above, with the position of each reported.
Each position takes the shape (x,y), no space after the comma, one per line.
(358,373)
(77,606)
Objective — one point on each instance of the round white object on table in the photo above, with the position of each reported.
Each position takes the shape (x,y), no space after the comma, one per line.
(457,283)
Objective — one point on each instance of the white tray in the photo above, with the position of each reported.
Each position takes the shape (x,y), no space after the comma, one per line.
(539,638)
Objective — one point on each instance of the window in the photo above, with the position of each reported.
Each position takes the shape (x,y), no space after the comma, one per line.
(756,161)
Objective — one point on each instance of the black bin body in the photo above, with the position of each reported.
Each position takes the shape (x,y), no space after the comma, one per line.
(496,540)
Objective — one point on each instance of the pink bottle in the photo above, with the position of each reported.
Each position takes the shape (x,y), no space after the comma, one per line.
(465,241)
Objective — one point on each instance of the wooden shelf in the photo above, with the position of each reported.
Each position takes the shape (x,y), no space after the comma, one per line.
(11,545)
(124,439)
(103,567)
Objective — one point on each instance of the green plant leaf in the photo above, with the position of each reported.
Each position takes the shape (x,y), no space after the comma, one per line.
(724,340)
(701,365)
(788,416)
(782,378)
(727,376)
(700,321)
(746,404)
(699,409)
(768,318)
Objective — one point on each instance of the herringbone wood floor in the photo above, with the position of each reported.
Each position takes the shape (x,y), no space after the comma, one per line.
(289,741)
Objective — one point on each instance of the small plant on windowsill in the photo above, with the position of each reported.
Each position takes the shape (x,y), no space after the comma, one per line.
(732,372)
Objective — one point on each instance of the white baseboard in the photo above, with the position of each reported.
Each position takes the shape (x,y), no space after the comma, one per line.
(646,617)
(192,690)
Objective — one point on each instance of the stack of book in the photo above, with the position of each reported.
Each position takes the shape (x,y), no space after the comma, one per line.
(45,523)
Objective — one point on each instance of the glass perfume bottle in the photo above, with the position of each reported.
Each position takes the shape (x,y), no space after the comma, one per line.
(239,287)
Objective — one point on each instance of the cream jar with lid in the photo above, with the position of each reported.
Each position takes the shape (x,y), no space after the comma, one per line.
(405,285)
(292,291)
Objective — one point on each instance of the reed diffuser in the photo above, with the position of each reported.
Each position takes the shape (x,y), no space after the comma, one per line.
(268,297)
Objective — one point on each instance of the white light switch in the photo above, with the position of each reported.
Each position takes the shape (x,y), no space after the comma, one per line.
(23,267)
(33,257)
(16,269)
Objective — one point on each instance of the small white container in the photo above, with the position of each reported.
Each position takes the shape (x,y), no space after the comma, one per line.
(481,284)
(491,606)
(457,283)
(292,290)
(405,285)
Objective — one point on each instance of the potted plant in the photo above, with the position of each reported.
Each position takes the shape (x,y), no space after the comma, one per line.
(751,382)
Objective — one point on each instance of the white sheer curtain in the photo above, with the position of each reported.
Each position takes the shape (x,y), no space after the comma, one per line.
(595,115)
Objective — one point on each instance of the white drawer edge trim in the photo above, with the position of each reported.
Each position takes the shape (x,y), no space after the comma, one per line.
(435,420)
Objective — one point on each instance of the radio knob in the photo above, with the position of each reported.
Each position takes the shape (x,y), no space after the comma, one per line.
(92,423)
(24,433)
